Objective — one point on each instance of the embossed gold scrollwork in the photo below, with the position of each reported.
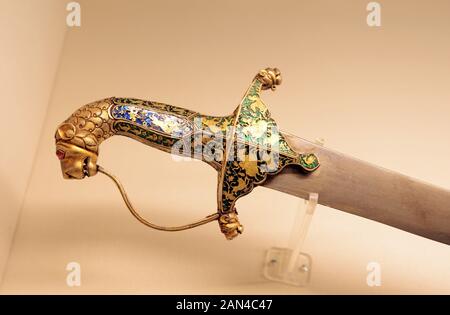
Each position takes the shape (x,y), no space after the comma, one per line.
(88,126)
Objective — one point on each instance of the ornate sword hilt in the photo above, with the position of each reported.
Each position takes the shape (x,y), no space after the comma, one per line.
(244,147)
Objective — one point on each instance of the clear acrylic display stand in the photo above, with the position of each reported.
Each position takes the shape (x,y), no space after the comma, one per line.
(290,265)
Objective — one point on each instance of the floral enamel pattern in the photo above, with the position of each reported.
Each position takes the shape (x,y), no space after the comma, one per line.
(261,150)
(167,124)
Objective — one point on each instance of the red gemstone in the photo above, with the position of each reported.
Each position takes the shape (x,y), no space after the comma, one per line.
(60,154)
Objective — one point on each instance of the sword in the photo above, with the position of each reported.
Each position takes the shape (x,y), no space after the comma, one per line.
(247,149)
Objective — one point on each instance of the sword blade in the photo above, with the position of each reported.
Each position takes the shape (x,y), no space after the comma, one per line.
(369,191)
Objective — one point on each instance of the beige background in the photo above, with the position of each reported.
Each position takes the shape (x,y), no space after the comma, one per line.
(380,94)
(32,38)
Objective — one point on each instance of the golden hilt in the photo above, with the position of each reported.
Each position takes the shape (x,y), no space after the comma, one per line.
(252,149)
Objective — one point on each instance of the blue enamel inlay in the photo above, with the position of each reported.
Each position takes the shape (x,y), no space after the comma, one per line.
(161,122)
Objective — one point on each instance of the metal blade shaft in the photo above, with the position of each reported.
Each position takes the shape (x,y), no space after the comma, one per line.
(372,192)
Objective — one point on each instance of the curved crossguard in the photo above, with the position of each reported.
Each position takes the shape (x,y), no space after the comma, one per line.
(244,147)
